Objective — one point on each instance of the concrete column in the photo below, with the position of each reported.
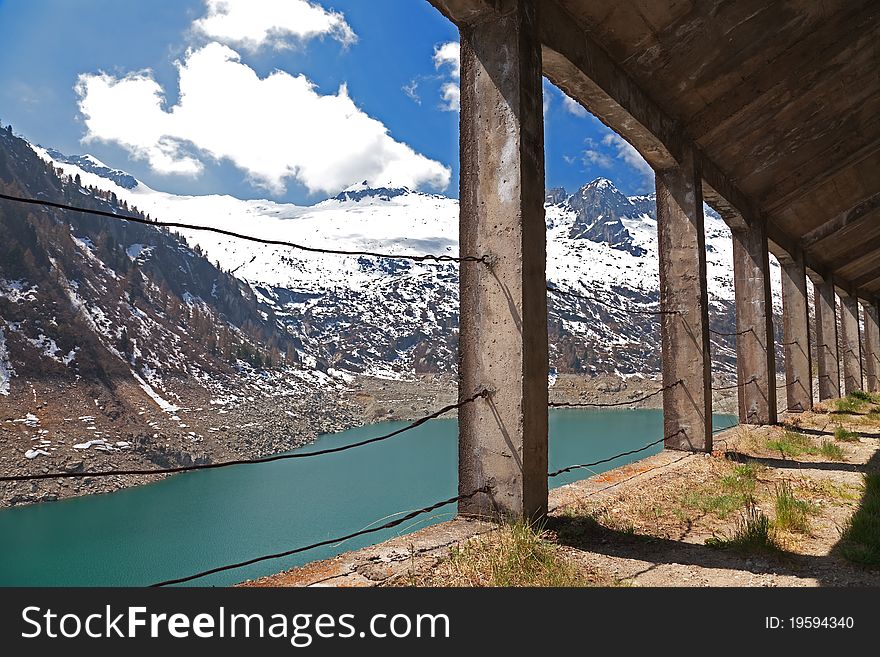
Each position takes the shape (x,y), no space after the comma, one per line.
(826,340)
(850,343)
(755,343)
(796,335)
(503,329)
(872,347)
(687,407)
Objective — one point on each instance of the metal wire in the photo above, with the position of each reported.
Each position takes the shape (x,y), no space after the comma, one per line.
(329,541)
(734,387)
(611,458)
(268,459)
(728,335)
(241,236)
(611,404)
(607,304)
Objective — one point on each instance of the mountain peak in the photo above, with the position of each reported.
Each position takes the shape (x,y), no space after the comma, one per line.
(363,190)
(91,164)
(601,183)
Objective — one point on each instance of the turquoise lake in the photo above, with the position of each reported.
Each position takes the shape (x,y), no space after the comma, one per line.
(195,521)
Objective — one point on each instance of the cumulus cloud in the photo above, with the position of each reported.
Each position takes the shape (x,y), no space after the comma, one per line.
(627,153)
(276,129)
(278,24)
(573,107)
(448,56)
(450,92)
(447,60)
(598,158)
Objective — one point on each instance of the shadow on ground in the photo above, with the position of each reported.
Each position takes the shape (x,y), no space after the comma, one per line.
(583,532)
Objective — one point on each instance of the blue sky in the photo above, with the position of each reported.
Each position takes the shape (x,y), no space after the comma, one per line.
(355,88)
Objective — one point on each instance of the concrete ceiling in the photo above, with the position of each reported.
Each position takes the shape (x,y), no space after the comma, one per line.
(782,100)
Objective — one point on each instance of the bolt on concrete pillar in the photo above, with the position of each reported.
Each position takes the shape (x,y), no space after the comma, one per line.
(796,335)
(851,344)
(755,348)
(503,326)
(826,340)
(872,347)
(684,326)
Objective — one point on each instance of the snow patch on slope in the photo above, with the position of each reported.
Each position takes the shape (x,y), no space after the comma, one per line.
(6,369)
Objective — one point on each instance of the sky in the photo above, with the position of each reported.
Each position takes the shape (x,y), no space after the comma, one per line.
(292,100)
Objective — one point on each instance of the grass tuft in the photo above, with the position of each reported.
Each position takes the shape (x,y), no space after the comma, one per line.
(848,405)
(861,395)
(845,435)
(860,538)
(791,513)
(754,533)
(831,451)
(793,444)
(515,555)
(731,492)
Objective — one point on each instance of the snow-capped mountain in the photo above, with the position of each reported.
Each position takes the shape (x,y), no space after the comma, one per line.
(390,317)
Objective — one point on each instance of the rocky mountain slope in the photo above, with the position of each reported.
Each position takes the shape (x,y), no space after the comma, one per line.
(119,343)
(394,318)
(125,344)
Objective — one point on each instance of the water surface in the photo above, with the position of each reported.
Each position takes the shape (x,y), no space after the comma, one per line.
(191,522)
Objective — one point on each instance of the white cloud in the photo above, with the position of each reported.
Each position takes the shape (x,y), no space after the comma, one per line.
(448,56)
(573,107)
(447,59)
(450,92)
(627,153)
(411,89)
(253,24)
(592,156)
(276,129)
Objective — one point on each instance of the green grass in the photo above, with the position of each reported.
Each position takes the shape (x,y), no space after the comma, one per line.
(845,435)
(731,492)
(856,401)
(791,513)
(831,451)
(860,539)
(848,405)
(792,444)
(516,555)
(753,533)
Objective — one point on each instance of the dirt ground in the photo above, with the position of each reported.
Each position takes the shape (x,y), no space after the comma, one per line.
(667,520)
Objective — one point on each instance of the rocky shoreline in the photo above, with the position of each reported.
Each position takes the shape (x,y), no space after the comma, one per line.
(257,421)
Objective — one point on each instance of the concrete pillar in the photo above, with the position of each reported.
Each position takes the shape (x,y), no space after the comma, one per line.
(796,335)
(684,331)
(872,347)
(850,343)
(826,340)
(503,329)
(755,343)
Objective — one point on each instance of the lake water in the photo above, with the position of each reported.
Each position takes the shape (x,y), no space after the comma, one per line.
(194,521)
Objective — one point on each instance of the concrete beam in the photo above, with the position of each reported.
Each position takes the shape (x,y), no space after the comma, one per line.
(851,344)
(866,279)
(841,221)
(466,12)
(796,336)
(576,63)
(755,357)
(578,66)
(687,407)
(503,330)
(826,339)
(872,347)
